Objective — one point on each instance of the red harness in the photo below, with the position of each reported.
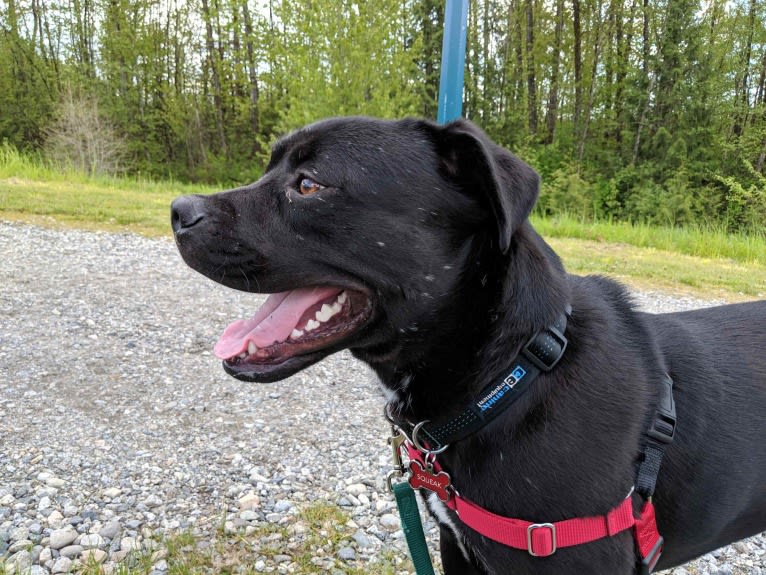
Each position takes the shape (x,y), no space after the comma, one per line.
(541,353)
(543,539)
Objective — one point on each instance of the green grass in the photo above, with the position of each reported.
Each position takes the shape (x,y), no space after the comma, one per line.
(34,192)
(660,270)
(695,261)
(327,530)
(707,263)
(706,242)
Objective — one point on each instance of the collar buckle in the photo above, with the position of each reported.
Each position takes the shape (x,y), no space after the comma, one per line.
(546,348)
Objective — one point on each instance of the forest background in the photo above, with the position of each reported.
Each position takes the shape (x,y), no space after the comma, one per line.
(650,111)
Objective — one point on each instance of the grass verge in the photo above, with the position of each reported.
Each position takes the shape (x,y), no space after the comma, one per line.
(309,545)
(105,204)
(698,262)
(706,242)
(650,269)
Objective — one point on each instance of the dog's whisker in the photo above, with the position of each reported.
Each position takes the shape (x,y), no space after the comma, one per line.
(247,279)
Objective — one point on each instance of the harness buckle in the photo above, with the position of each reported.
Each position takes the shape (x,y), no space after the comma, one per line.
(664,425)
(649,562)
(550,545)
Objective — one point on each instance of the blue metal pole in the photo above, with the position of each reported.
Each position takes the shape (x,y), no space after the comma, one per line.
(453,61)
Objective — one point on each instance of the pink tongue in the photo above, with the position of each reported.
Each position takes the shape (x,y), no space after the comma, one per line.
(273,321)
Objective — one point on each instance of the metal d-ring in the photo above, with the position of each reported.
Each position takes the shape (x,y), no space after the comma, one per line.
(417,444)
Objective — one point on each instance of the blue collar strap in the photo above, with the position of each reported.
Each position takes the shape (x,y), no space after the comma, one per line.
(541,354)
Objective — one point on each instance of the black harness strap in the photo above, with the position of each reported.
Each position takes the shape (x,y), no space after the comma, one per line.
(659,435)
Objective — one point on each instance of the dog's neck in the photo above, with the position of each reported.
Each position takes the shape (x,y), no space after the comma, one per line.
(479,338)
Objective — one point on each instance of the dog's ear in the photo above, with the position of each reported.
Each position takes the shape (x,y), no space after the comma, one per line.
(478,165)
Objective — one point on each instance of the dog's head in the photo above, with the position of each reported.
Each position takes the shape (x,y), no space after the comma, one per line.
(362,231)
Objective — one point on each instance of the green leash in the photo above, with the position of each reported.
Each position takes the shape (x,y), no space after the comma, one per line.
(412,527)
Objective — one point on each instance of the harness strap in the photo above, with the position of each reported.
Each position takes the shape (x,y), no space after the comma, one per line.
(543,539)
(541,353)
(657,438)
(649,542)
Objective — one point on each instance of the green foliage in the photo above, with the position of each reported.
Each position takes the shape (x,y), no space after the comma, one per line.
(697,241)
(745,202)
(567,192)
(27,88)
(343,58)
(643,111)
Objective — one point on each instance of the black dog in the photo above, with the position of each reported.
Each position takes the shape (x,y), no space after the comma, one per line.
(408,242)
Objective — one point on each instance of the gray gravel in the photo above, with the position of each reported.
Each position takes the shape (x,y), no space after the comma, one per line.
(118,426)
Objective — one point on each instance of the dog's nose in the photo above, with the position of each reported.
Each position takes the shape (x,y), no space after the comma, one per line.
(186,212)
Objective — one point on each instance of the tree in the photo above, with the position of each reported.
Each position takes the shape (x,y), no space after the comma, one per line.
(82,139)
(638,105)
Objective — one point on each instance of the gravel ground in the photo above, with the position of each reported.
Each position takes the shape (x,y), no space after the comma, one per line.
(118,426)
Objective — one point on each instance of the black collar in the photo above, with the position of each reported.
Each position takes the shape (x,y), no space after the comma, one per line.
(540,354)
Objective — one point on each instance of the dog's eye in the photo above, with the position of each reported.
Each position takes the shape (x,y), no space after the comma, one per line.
(309,186)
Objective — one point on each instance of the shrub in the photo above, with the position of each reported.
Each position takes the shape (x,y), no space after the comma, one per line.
(745,204)
(567,192)
(80,138)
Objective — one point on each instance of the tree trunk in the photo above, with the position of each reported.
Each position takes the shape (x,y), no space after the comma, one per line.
(642,121)
(612,46)
(214,74)
(623,65)
(760,96)
(531,83)
(470,83)
(251,66)
(592,87)
(430,17)
(52,50)
(645,37)
(519,55)
(577,61)
(486,96)
(741,116)
(553,96)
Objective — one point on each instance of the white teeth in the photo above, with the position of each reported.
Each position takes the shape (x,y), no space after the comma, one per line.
(251,348)
(322,315)
(328,311)
(242,355)
(325,313)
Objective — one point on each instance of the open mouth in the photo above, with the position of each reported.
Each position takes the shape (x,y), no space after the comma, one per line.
(290,331)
